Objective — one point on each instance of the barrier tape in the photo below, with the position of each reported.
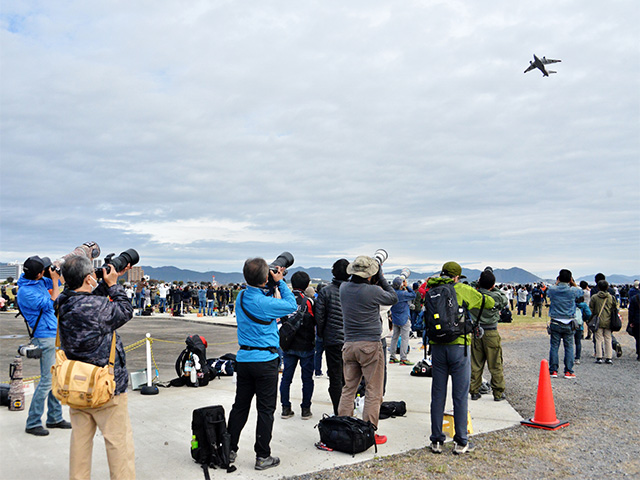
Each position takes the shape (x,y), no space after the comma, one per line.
(134,346)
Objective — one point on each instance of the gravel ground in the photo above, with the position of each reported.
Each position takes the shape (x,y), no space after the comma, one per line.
(601,404)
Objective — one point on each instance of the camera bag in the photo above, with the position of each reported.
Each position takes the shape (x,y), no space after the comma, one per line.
(210,440)
(82,385)
(445,319)
(292,323)
(392,409)
(347,434)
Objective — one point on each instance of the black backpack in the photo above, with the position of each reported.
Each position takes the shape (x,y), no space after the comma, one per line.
(193,357)
(291,323)
(210,440)
(445,319)
(347,434)
(392,409)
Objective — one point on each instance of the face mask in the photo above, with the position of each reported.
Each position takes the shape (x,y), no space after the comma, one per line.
(93,287)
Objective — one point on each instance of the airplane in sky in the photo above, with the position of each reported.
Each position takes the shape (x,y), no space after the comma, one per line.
(537,63)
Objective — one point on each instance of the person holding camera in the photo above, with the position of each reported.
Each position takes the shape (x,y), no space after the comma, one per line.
(35,298)
(257,360)
(362,354)
(401,323)
(90,312)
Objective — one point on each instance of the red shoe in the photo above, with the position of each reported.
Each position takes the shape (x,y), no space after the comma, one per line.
(380,439)
(554,374)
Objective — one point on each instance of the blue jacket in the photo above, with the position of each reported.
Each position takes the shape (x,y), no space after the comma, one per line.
(562,298)
(202,296)
(34,296)
(400,311)
(269,309)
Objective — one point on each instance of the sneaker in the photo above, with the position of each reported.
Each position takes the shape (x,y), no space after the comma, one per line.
(319,375)
(232,456)
(37,431)
(268,462)
(598,360)
(608,361)
(380,439)
(287,412)
(475,396)
(576,361)
(500,398)
(306,413)
(394,360)
(618,350)
(436,447)
(406,362)
(554,374)
(569,375)
(462,449)
(61,424)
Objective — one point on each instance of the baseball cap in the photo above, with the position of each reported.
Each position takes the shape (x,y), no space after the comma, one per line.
(397,282)
(363,266)
(33,266)
(452,269)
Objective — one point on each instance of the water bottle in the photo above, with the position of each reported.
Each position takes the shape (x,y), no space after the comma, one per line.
(359,406)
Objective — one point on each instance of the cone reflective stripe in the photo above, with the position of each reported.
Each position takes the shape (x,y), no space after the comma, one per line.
(545,414)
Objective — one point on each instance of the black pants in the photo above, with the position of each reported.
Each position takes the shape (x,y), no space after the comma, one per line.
(333,354)
(259,379)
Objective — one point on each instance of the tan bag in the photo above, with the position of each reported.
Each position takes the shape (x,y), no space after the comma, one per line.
(79,384)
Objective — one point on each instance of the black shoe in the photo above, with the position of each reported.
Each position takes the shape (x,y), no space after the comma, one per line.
(475,396)
(500,398)
(608,361)
(37,431)
(306,413)
(618,350)
(287,412)
(598,360)
(61,424)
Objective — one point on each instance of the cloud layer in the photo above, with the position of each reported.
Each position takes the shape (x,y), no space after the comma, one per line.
(201,133)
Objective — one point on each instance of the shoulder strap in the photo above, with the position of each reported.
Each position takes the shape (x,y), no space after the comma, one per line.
(35,327)
(112,353)
(251,317)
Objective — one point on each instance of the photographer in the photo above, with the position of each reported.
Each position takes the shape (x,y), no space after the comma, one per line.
(35,299)
(257,360)
(90,312)
(362,354)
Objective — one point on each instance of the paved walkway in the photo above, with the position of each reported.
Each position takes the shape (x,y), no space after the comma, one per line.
(162,430)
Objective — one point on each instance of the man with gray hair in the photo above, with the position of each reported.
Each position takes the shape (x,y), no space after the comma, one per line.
(90,312)
(362,354)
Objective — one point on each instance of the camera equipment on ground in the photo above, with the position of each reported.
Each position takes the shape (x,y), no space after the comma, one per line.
(30,351)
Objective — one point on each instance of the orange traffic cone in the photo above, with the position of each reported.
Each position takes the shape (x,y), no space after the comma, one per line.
(545,414)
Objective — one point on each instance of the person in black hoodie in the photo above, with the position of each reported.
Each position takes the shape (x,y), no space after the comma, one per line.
(302,349)
(328,312)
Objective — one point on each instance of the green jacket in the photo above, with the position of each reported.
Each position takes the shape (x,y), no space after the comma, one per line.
(466,295)
(602,301)
(490,316)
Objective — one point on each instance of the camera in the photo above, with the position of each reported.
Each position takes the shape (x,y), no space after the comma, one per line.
(381,256)
(90,250)
(284,260)
(128,257)
(30,351)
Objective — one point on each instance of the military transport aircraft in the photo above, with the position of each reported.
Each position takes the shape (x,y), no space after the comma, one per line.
(537,63)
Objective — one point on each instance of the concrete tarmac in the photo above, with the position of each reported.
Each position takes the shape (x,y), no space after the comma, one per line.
(162,423)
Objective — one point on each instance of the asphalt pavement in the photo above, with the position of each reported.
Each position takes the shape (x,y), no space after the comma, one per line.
(162,423)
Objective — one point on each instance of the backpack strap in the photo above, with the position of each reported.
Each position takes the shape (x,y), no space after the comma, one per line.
(251,317)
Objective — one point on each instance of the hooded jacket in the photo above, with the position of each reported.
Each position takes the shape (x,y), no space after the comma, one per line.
(87,323)
(328,311)
(33,297)
(602,301)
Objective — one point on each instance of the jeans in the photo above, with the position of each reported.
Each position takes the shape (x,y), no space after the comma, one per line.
(402,332)
(202,307)
(43,390)
(210,304)
(291,358)
(317,363)
(259,379)
(522,307)
(450,360)
(162,303)
(561,331)
(537,307)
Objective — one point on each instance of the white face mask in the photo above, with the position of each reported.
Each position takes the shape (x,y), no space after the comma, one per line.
(93,287)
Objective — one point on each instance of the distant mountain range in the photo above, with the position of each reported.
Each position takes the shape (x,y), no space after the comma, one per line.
(168,274)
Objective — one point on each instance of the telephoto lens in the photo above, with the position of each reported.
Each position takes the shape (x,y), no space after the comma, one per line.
(284,260)
(381,256)
(128,257)
(405,273)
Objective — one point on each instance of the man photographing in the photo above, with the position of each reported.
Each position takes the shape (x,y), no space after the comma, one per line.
(36,295)
(90,312)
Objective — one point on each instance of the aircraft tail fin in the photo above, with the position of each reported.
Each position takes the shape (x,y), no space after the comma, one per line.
(551,71)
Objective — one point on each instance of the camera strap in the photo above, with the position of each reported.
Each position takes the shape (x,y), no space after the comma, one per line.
(251,317)
(35,327)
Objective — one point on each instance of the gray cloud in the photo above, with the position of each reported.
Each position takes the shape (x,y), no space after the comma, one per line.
(234,129)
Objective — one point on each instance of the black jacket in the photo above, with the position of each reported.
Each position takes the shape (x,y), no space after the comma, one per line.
(87,322)
(305,338)
(328,312)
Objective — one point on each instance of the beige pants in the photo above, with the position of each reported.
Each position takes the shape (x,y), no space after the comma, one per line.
(113,421)
(603,335)
(362,359)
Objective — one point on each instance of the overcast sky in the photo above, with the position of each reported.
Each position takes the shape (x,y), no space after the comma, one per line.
(204,132)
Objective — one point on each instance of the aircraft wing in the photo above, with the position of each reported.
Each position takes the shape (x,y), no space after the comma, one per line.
(531,67)
(547,61)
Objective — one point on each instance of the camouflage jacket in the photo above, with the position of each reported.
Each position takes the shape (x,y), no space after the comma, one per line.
(87,322)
